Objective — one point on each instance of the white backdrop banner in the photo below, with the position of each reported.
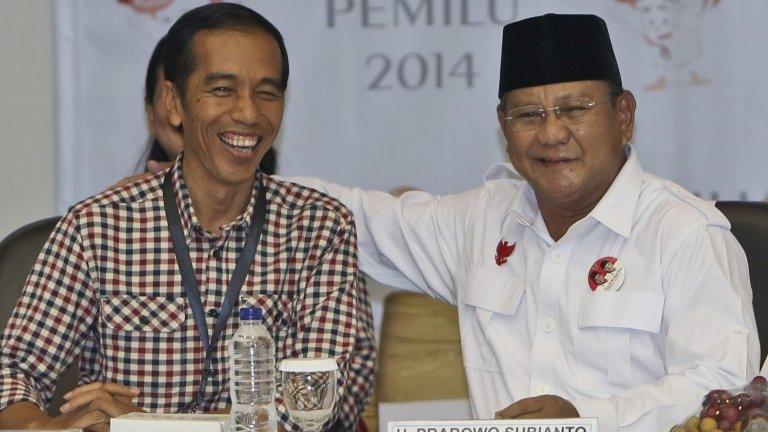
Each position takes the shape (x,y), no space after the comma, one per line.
(385,93)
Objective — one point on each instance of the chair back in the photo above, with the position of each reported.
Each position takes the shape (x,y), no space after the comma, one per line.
(420,350)
(18,252)
(749,224)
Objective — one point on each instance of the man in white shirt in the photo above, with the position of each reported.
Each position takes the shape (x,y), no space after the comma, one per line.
(520,256)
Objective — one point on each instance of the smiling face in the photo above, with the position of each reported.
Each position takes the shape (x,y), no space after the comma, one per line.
(232,105)
(568,165)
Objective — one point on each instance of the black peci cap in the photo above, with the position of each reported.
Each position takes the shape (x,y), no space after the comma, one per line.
(554,48)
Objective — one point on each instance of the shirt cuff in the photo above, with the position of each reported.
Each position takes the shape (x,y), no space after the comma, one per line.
(602,409)
(14,392)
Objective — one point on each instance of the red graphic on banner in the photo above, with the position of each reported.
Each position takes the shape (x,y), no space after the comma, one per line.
(149,7)
(152,7)
(673,28)
(503,251)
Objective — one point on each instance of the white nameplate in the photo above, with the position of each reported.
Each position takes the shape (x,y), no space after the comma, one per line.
(169,422)
(552,425)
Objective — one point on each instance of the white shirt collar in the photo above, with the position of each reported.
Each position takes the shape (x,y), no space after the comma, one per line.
(501,170)
(615,210)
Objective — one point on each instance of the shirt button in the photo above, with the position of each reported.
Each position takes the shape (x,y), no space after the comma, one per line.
(143,320)
(541,390)
(210,373)
(736,329)
(217,253)
(548,325)
(213,313)
(557,256)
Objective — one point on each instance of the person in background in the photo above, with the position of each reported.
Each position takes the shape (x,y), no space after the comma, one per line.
(165,141)
(540,338)
(111,288)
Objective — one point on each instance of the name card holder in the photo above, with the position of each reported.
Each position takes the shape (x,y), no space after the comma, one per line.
(46,430)
(133,422)
(552,425)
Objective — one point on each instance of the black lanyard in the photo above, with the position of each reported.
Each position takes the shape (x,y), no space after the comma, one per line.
(190,282)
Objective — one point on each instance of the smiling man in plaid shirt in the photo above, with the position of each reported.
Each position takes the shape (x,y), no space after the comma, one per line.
(106,289)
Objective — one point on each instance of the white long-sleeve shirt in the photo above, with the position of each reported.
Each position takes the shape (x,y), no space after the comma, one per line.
(639,358)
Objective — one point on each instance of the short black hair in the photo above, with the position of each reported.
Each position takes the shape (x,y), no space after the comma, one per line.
(179,57)
(155,65)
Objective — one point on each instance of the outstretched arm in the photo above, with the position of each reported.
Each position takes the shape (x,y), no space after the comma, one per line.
(415,241)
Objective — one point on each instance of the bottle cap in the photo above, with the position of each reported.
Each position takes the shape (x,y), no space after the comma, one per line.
(251,313)
(309,364)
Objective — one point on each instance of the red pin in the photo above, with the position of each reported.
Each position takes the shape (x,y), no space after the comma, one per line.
(503,251)
(607,274)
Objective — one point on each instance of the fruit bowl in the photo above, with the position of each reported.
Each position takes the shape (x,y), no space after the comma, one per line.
(739,410)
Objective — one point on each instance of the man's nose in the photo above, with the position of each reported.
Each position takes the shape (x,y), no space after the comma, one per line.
(553,131)
(246,109)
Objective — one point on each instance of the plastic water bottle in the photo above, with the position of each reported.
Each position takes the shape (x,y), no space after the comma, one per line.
(252,375)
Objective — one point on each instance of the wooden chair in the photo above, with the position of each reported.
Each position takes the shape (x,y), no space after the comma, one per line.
(18,252)
(419,353)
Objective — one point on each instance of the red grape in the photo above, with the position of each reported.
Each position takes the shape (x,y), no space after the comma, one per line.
(743,401)
(730,413)
(717,396)
(711,410)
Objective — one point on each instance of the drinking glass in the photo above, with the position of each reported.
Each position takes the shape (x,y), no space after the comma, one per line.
(309,390)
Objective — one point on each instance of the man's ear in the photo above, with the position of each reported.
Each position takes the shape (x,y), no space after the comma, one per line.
(172,100)
(501,115)
(625,108)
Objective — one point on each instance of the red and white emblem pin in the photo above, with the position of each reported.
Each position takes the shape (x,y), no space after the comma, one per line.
(606,274)
(503,251)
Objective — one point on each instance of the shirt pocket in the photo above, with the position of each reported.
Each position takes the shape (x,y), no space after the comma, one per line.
(277,317)
(490,304)
(611,326)
(143,314)
(276,310)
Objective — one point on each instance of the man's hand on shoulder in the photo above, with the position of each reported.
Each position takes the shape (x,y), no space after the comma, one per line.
(153,167)
(539,407)
(133,178)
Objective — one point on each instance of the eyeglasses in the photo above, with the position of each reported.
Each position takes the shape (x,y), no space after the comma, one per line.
(570,111)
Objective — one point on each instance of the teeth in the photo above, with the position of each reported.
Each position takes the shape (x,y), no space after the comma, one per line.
(240,142)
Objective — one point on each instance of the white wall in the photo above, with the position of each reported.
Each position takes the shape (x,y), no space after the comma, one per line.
(26,113)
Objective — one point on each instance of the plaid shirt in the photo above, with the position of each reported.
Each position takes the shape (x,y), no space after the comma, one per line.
(106,289)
